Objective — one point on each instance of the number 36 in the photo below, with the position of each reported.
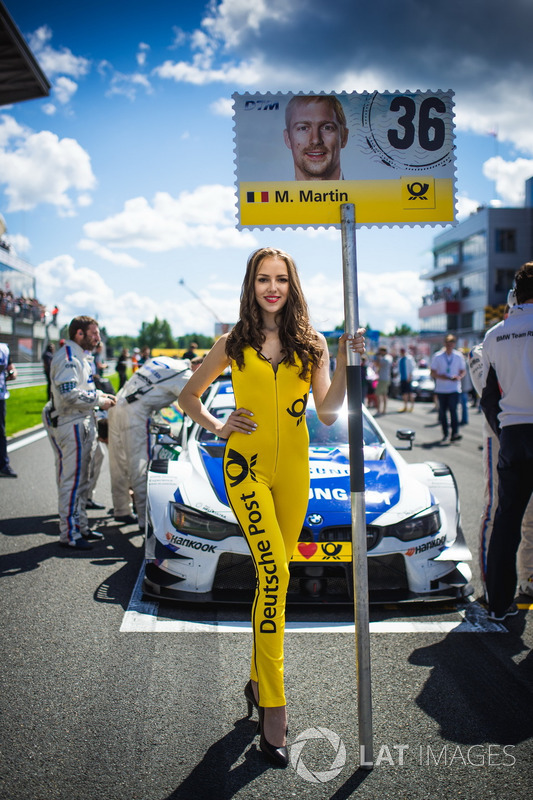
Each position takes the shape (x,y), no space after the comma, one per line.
(431,130)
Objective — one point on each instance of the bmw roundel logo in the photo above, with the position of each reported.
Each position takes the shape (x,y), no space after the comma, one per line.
(315,519)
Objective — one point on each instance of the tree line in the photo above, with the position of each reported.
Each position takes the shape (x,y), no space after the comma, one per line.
(155,335)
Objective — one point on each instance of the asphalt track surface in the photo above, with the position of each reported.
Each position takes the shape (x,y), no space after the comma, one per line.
(105,695)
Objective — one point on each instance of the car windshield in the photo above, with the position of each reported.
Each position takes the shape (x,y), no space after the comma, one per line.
(320,435)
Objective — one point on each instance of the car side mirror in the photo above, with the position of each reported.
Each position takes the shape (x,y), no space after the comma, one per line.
(406,435)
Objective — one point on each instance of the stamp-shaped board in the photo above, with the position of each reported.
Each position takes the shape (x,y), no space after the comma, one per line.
(299,157)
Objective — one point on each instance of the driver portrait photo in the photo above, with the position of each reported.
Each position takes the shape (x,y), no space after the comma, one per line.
(316,132)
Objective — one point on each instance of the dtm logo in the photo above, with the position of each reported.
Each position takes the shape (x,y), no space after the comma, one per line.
(237,468)
(261,105)
(417,190)
(426,546)
(298,408)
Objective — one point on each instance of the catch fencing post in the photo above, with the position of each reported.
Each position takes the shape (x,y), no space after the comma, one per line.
(357,492)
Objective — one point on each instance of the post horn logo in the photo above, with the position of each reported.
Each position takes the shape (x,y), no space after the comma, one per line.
(331,550)
(417,190)
(298,408)
(237,468)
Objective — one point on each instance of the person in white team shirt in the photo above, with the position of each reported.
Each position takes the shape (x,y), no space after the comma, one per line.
(156,384)
(491,450)
(507,401)
(447,369)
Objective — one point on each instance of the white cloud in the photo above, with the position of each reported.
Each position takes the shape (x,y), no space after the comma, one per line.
(81,290)
(204,217)
(64,89)
(142,52)
(10,130)
(386,300)
(41,168)
(509,112)
(120,259)
(230,20)
(56,62)
(49,109)
(180,37)
(200,73)
(510,177)
(223,107)
(466,206)
(127,85)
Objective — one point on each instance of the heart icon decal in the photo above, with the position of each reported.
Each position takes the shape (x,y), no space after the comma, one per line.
(307,549)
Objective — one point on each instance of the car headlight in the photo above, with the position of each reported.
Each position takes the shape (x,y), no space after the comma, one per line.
(195,523)
(426,523)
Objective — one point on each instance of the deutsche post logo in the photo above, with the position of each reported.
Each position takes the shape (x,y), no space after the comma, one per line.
(331,550)
(297,409)
(418,192)
(237,467)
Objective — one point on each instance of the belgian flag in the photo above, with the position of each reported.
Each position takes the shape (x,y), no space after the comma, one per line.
(257,197)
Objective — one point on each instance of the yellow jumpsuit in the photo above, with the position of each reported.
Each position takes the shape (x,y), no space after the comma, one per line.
(267,482)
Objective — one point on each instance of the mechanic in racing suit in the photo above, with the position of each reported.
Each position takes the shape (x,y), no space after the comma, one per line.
(491,450)
(69,418)
(156,384)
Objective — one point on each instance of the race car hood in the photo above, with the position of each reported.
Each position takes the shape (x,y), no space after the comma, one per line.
(330,479)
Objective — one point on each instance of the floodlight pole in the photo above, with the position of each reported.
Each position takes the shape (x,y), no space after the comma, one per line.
(357,492)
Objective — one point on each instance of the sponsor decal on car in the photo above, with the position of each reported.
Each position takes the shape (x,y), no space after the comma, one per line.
(322,551)
(421,548)
(178,541)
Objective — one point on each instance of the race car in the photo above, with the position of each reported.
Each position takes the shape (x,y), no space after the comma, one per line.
(195,550)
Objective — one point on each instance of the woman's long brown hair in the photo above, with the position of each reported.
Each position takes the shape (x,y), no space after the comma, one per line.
(295,331)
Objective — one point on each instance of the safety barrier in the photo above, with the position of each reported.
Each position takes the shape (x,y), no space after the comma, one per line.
(32,374)
(28,375)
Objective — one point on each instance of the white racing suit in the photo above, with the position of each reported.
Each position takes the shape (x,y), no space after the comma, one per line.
(69,420)
(156,384)
(98,457)
(491,450)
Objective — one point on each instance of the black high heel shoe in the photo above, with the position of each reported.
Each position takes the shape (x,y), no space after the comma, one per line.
(250,698)
(278,755)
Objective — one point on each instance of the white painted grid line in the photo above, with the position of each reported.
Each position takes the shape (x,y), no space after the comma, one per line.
(28,440)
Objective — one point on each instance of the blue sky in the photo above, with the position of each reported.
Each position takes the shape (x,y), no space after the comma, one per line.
(121,183)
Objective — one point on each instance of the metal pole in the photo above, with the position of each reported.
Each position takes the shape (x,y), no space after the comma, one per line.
(357,492)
